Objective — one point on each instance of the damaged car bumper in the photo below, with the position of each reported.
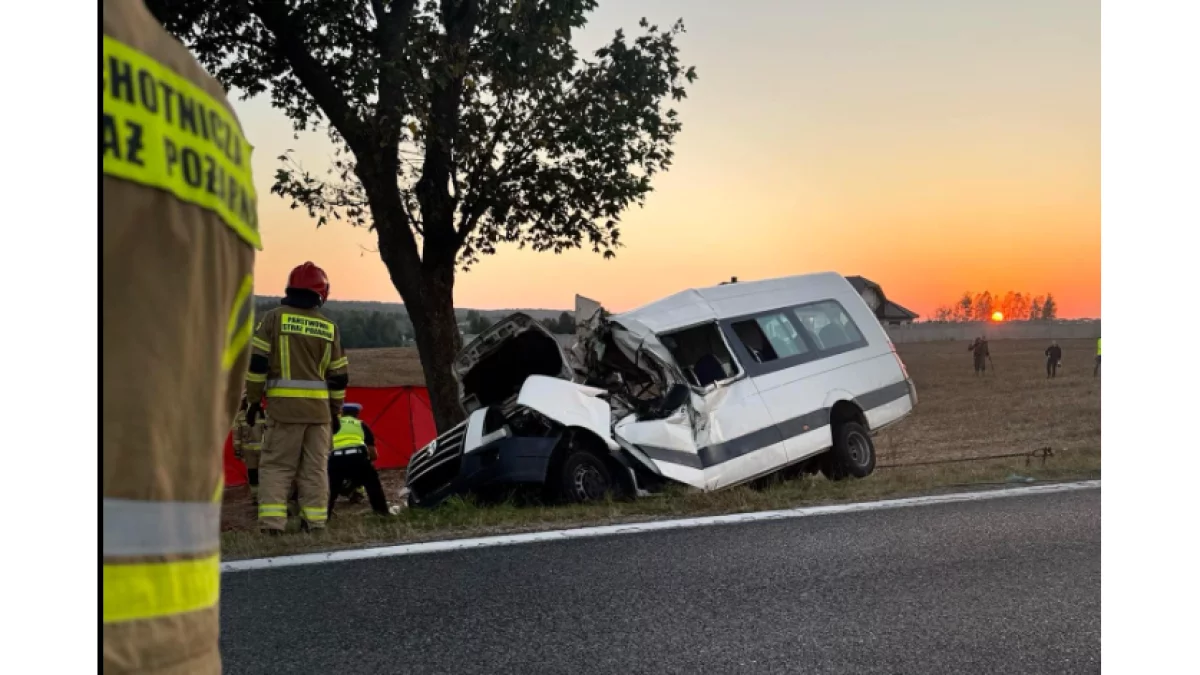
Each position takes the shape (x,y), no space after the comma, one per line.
(464,461)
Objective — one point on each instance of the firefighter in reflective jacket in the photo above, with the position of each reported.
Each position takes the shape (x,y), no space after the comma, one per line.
(350,461)
(176,296)
(297,362)
(247,444)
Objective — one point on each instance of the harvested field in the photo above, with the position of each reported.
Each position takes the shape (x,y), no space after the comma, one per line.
(1011,409)
(386,367)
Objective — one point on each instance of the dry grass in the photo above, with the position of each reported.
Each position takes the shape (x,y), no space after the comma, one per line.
(461,518)
(1014,409)
(386,367)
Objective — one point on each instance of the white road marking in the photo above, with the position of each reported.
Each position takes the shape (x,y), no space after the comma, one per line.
(652,526)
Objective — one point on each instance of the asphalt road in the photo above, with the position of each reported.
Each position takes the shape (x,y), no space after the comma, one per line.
(1000,586)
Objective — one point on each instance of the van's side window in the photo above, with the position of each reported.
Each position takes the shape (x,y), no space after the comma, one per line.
(830,325)
(770,337)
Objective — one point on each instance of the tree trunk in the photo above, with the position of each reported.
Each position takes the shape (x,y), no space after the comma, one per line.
(427,290)
(438,342)
(425,282)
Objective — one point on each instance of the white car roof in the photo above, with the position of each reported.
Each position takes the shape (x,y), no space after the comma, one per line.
(701,305)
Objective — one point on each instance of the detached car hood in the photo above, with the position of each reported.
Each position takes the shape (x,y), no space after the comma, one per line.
(491,369)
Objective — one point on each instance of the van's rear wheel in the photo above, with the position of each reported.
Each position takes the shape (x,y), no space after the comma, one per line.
(585,477)
(852,454)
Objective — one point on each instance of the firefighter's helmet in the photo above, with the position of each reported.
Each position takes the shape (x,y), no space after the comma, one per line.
(309,277)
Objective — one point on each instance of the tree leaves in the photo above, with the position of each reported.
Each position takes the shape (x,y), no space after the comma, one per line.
(457,126)
(539,147)
(1015,306)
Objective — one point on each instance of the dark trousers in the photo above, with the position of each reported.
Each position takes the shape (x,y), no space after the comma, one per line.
(1096,370)
(356,468)
(980,364)
(1051,368)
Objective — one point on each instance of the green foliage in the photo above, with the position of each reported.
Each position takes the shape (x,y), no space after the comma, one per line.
(476,323)
(1049,307)
(458,125)
(495,129)
(563,325)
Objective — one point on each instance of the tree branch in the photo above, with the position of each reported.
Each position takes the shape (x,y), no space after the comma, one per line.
(459,17)
(391,37)
(311,74)
(478,203)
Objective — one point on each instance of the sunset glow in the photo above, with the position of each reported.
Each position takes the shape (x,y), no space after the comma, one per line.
(932,147)
(997,316)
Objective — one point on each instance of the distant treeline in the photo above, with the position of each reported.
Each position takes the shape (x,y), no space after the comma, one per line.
(1014,307)
(361,328)
(366,325)
(477,322)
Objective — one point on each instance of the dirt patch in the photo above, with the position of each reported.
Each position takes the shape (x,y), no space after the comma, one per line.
(238,513)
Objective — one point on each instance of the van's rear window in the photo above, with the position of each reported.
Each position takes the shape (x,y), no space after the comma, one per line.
(829,324)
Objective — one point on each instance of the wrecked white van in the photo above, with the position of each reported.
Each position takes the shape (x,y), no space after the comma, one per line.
(709,387)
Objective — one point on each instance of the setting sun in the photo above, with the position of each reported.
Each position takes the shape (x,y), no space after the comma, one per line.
(997,316)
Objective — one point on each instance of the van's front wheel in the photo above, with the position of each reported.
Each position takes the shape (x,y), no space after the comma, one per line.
(852,454)
(585,477)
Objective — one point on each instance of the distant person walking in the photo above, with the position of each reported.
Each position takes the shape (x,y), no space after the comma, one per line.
(1053,359)
(1096,370)
(981,354)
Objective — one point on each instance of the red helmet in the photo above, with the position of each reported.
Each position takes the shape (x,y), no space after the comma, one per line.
(309,277)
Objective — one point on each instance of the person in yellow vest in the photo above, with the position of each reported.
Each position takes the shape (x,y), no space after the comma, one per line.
(177,258)
(1096,370)
(247,444)
(351,457)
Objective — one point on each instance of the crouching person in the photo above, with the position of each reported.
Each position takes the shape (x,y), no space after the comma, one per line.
(350,460)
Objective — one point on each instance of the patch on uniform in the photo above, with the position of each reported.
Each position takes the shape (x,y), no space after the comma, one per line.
(297,324)
(160,130)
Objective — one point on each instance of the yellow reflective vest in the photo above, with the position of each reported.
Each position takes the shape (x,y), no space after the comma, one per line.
(351,434)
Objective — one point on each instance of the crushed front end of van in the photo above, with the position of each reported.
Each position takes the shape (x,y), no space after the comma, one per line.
(539,415)
(663,394)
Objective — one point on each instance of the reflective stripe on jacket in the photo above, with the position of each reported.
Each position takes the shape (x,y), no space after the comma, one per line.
(179,217)
(303,357)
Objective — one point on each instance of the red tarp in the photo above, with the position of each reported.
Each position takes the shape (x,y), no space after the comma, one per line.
(400,418)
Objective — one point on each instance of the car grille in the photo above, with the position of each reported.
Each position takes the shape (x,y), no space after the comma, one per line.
(429,470)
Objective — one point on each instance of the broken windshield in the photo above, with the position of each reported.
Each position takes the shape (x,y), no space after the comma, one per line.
(701,354)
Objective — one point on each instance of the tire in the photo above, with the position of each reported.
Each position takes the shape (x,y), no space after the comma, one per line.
(584,476)
(852,454)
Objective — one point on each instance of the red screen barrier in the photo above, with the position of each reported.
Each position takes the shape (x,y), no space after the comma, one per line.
(400,418)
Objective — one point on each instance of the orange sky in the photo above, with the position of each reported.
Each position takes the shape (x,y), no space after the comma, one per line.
(934,146)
